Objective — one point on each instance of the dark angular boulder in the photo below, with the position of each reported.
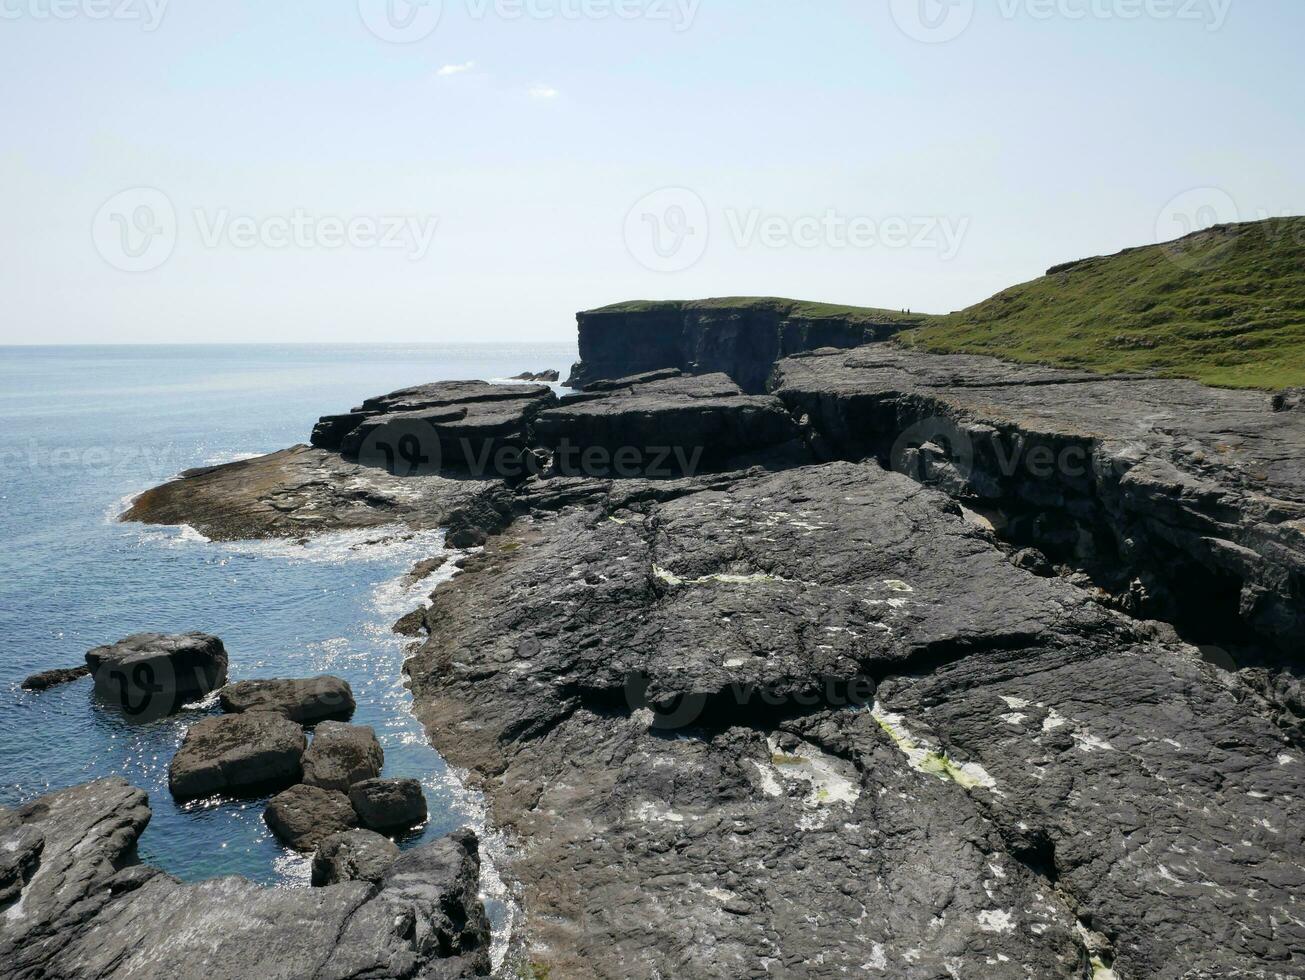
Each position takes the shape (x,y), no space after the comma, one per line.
(388,804)
(341,755)
(237,754)
(150,675)
(301,817)
(305,700)
(353,855)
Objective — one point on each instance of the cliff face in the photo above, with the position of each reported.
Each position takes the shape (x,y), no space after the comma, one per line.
(739,337)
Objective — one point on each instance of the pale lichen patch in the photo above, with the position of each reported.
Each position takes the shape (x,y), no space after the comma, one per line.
(968,776)
(996,920)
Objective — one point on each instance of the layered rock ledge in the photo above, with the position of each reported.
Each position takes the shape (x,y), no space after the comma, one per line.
(1196,493)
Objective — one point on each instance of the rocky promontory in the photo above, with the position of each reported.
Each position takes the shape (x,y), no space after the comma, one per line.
(739,337)
(915,665)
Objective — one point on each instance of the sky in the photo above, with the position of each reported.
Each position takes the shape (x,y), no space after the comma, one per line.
(479,170)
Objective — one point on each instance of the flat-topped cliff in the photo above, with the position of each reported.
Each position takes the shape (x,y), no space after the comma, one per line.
(740,337)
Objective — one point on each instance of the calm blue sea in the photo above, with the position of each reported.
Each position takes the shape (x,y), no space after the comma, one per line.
(82,429)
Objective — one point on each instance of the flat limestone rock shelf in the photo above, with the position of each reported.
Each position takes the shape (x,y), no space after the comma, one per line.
(706,713)
(302,491)
(1196,492)
(77,907)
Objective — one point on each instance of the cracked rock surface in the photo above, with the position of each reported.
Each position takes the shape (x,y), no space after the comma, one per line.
(716,718)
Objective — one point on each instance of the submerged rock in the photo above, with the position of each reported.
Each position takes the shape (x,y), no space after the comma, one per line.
(341,755)
(305,700)
(546,376)
(53,678)
(388,804)
(85,911)
(301,817)
(354,855)
(150,675)
(237,754)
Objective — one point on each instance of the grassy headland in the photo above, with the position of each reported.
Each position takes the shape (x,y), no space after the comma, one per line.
(1224,306)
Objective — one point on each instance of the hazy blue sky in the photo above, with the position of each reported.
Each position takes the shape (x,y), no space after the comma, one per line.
(326,170)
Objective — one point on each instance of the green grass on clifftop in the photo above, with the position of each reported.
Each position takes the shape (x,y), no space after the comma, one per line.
(1224,306)
(785,307)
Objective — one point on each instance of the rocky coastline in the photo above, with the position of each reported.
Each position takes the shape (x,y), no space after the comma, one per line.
(778,650)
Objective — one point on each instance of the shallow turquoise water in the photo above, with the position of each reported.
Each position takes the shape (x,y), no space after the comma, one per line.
(81,431)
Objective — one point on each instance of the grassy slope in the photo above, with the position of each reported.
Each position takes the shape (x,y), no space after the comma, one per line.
(1224,306)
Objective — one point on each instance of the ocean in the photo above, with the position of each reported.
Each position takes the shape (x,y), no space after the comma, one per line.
(82,430)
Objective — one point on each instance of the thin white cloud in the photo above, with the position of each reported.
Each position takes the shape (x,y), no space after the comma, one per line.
(540,91)
(448,70)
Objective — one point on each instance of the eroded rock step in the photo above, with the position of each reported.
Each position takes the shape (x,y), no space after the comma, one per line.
(1196,493)
(668,691)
